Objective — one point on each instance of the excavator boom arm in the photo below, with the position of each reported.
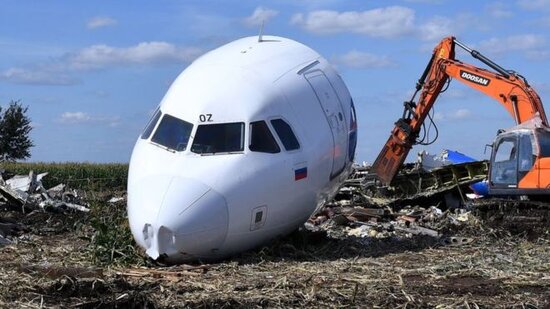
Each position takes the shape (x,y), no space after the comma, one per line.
(508,88)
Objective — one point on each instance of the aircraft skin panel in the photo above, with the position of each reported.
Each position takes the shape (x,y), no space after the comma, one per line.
(185,204)
(334,113)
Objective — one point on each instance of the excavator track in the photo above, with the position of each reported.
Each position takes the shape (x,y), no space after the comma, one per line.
(531,218)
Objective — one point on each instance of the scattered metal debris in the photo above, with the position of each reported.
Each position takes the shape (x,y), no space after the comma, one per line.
(386,222)
(456,241)
(422,200)
(428,162)
(27,192)
(447,185)
(8,229)
(116,199)
(25,183)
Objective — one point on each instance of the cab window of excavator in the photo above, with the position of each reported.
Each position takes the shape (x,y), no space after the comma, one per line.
(505,165)
(525,153)
(543,138)
(506,150)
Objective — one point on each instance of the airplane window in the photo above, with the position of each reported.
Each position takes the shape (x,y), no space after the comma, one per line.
(352,145)
(352,134)
(261,139)
(216,138)
(284,131)
(353,124)
(151,125)
(172,133)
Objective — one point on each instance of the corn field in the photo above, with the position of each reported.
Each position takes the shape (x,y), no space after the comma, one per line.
(85,176)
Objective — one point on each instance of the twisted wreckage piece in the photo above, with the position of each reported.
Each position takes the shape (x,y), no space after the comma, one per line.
(27,191)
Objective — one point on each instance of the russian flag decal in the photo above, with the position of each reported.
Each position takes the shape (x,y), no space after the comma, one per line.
(300,173)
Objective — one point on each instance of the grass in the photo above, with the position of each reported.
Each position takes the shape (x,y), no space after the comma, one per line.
(112,242)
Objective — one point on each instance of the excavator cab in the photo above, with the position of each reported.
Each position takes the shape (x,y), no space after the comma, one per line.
(520,162)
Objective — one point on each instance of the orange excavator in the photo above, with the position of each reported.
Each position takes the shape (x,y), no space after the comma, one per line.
(520,159)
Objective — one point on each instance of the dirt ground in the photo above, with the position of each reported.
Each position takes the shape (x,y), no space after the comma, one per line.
(50,265)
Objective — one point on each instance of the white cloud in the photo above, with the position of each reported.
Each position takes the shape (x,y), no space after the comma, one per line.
(36,77)
(526,42)
(100,94)
(100,56)
(534,4)
(84,118)
(436,28)
(58,70)
(537,55)
(100,21)
(469,22)
(74,117)
(259,16)
(386,22)
(364,60)
(459,114)
(499,10)
(313,4)
(426,1)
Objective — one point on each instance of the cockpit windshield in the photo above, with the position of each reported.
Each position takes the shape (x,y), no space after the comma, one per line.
(219,138)
(172,133)
(151,125)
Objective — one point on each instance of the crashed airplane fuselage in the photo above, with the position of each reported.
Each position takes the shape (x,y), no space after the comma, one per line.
(246,143)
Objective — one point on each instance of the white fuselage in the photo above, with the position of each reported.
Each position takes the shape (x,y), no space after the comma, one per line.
(247,142)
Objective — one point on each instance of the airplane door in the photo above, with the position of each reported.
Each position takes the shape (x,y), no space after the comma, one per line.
(334,113)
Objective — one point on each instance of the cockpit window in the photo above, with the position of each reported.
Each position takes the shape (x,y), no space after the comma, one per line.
(172,133)
(261,139)
(216,138)
(353,124)
(352,134)
(284,131)
(151,124)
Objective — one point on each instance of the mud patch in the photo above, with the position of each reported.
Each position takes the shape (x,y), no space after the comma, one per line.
(94,293)
(453,286)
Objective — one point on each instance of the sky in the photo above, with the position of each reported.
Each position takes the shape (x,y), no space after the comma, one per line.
(91,72)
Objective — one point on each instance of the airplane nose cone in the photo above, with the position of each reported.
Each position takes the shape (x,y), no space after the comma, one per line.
(180,219)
